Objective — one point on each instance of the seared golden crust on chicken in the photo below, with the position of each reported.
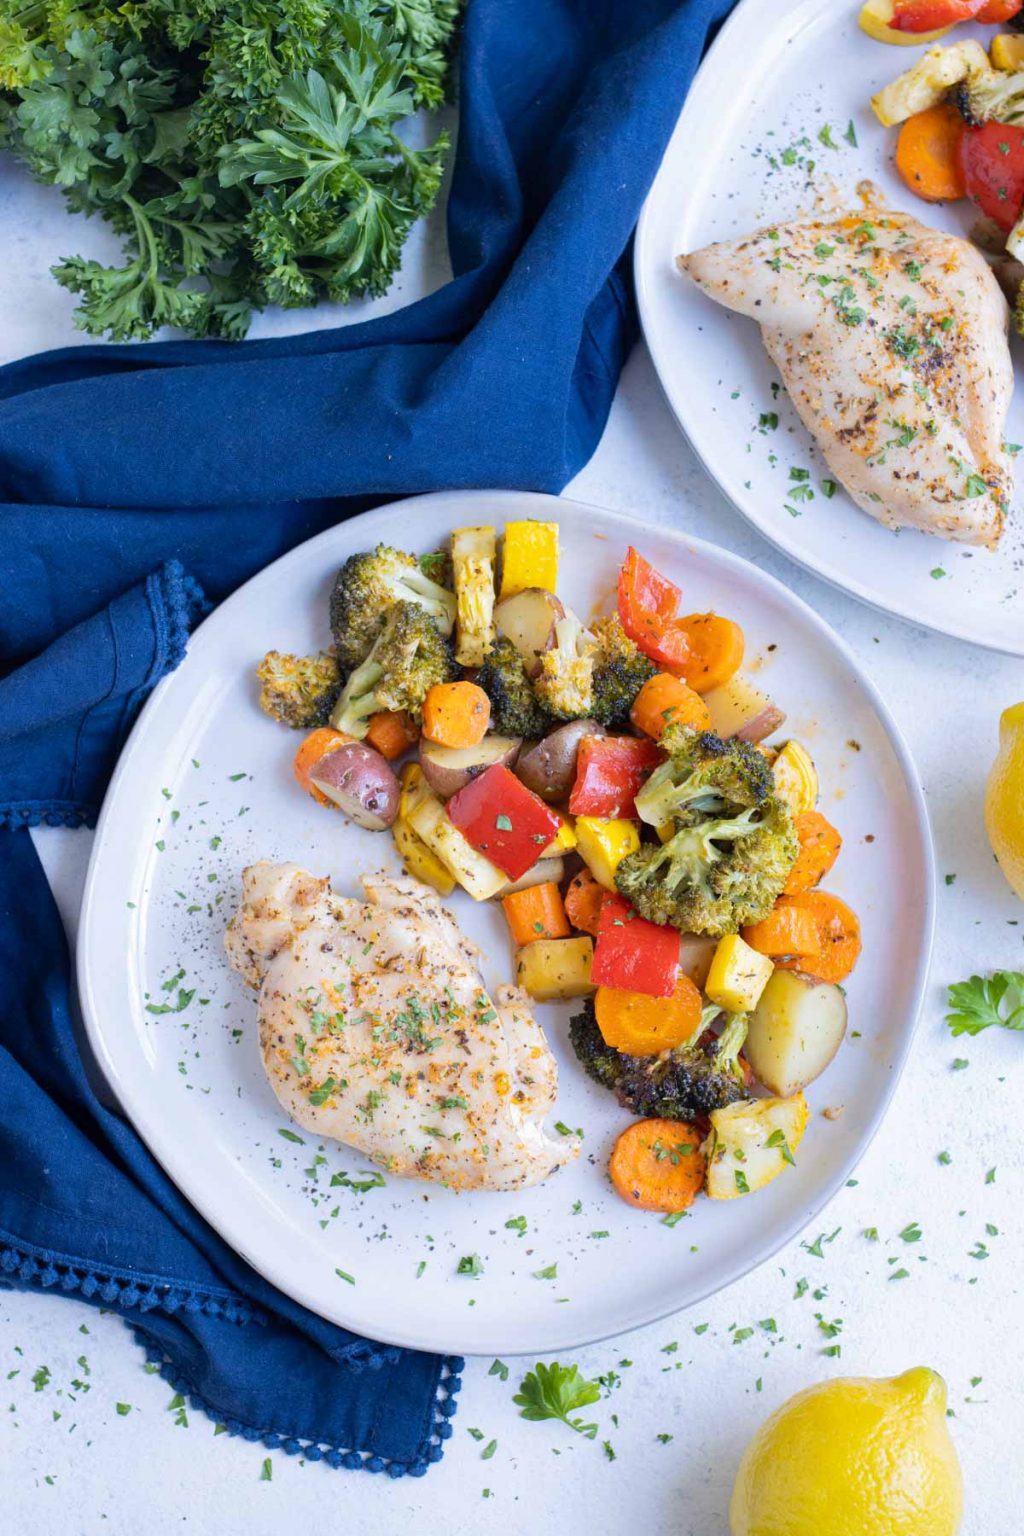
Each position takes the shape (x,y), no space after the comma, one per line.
(376,1029)
(891,341)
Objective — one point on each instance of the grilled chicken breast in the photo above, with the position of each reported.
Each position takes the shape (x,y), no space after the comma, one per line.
(891,341)
(376,1029)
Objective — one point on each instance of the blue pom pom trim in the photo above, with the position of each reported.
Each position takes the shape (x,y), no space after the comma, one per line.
(339,1457)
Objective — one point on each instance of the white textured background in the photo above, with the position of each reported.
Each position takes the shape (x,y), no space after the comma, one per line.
(72,1465)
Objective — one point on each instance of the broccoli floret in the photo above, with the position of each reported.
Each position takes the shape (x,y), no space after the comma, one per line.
(703,776)
(300,691)
(408,657)
(991,96)
(717,875)
(734,843)
(515,708)
(620,671)
(367,586)
(565,685)
(697,1077)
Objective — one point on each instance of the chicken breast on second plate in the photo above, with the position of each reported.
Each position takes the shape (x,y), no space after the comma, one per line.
(891,341)
(376,1029)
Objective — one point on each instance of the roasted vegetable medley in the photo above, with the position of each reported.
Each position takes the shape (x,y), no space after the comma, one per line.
(610,782)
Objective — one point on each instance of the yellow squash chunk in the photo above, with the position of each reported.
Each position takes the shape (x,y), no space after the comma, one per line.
(738,975)
(554,970)
(876,17)
(926,84)
(603,844)
(796,778)
(529,557)
(1007,51)
(474,551)
(419,861)
(471,870)
(751,1142)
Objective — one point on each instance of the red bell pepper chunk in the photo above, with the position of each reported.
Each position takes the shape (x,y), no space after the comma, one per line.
(992,161)
(503,820)
(633,954)
(930,15)
(647,600)
(994,12)
(609,772)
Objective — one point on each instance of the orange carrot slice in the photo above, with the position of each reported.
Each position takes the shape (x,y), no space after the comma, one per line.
(657,1165)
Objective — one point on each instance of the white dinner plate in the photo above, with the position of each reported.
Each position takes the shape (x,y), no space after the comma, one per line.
(204,787)
(748,151)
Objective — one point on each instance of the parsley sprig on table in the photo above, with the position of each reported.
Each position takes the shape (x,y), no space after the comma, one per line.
(554,1392)
(246,153)
(986,1000)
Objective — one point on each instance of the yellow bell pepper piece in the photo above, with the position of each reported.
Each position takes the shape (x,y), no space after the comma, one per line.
(796,778)
(530,557)
(603,844)
(738,975)
(565,842)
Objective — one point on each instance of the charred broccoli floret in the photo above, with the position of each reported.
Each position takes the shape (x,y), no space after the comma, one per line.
(368,585)
(300,691)
(703,1075)
(408,657)
(515,708)
(717,875)
(703,776)
(565,685)
(620,671)
(991,96)
(734,844)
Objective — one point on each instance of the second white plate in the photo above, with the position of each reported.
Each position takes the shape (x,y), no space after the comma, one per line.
(204,787)
(778,117)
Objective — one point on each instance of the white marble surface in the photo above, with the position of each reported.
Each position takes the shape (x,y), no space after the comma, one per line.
(72,1464)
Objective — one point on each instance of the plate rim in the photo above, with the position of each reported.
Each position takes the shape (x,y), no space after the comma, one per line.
(163,1147)
(645,259)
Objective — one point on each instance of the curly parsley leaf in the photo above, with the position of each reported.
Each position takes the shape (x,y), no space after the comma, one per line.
(986,1000)
(554,1392)
(241,161)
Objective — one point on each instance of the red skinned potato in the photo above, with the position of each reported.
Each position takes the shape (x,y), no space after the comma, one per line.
(449,769)
(528,619)
(740,709)
(548,767)
(360,782)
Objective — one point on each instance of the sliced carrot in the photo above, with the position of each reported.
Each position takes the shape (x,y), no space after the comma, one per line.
(536,913)
(657,1165)
(392,732)
(819,848)
(456,714)
(714,650)
(666,700)
(642,1025)
(583,902)
(928,154)
(787,930)
(838,945)
(315,746)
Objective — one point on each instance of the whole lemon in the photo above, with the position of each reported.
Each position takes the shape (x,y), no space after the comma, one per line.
(1004,800)
(854,1457)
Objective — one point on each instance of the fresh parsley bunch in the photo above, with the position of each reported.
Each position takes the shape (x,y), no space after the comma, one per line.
(246,151)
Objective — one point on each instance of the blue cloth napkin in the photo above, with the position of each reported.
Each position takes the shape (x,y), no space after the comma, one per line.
(134,480)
